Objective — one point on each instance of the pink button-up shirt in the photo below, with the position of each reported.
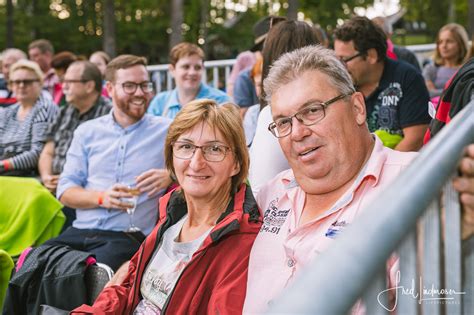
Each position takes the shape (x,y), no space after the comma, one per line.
(283,247)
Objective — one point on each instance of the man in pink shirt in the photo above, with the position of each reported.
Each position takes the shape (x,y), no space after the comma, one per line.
(337,168)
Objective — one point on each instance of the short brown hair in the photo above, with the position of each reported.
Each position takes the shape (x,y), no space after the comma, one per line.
(43,45)
(62,60)
(225,118)
(122,62)
(184,50)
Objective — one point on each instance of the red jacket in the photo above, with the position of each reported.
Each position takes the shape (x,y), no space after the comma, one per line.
(213,282)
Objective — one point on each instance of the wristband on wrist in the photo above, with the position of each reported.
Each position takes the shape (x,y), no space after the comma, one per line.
(100,200)
(6,165)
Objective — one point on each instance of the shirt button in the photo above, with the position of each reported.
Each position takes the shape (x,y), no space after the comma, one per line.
(290,263)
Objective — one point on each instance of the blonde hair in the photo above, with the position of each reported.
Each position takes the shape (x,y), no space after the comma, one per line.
(225,118)
(460,36)
(27,65)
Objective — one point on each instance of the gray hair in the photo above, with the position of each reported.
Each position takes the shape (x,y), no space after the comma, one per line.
(292,65)
(17,53)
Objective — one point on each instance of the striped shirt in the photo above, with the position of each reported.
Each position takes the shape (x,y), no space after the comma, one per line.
(21,142)
(62,128)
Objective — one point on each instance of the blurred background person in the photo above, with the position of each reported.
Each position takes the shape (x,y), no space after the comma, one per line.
(244,92)
(452,47)
(23,125)
(243,61)
(101,59)
(393,51)
(41,51)
(60,63)
(250,114)
(187,68)
(9,57)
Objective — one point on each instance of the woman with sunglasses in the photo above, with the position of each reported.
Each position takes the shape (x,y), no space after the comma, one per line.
(195,261)
(23,125)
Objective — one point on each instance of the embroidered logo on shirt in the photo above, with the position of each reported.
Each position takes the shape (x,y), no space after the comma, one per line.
(335,229)
(273,218)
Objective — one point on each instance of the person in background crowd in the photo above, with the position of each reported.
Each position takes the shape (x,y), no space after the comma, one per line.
(106,156)
(395,93)
(186,67)
(393,51)
(266,157)
(322,36)
(41,51)
(452,47)
(243,61)
(251,113)
(244,93)
(9,57)
(23,125)
(196,259)
(82,85)
(101,59)
(60,63)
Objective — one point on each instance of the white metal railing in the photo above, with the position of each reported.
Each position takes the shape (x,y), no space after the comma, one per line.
(218,71)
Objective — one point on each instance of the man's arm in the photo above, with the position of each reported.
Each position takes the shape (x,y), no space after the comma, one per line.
(80,198)
(45,166)
(412,138)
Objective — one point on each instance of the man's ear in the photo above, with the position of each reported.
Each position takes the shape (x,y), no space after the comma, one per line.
(358,106)
(372,56)
(90,86)
(109,87)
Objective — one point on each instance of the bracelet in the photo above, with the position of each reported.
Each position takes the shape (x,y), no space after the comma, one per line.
(6,165)
(100,200)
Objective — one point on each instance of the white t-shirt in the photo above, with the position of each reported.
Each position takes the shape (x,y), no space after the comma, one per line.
(266,157)
(165,268)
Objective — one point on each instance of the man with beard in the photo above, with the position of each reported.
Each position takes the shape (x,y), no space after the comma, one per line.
(106,155)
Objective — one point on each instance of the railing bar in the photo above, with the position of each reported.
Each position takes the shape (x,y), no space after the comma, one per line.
(452,247)
(169,81)
(204,76)
(215,77)
(375,296)
(468,278)
(227,74)
(407,275)
(431,261)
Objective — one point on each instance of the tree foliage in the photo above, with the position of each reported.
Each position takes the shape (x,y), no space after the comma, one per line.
(222,27)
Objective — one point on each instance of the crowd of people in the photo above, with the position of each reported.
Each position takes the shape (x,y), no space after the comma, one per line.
(207,201)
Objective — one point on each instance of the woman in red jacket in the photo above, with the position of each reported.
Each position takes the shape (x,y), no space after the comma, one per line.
(195,260)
